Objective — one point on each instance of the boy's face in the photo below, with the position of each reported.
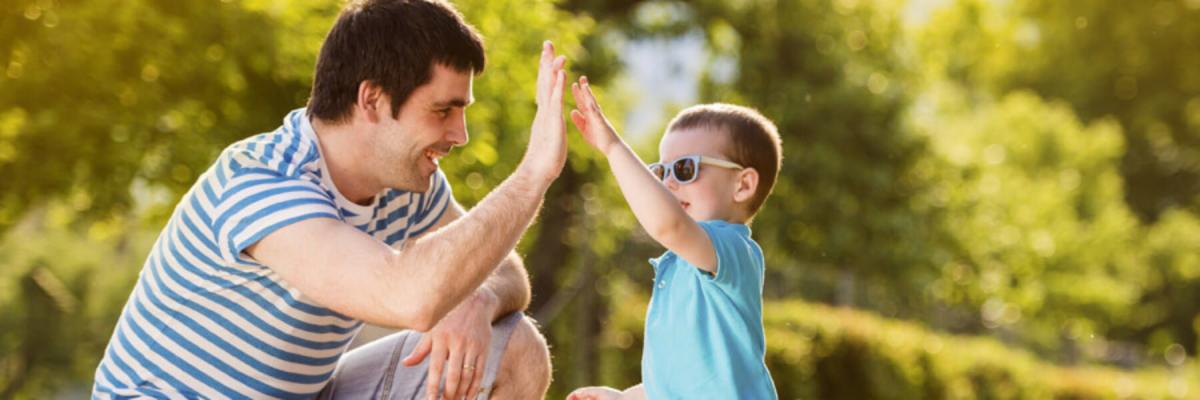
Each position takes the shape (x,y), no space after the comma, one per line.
(711,195)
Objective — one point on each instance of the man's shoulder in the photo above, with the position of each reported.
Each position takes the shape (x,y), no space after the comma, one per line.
(287,151)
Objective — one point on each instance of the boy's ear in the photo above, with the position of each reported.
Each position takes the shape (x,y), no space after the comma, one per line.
(369,101)
(747,185)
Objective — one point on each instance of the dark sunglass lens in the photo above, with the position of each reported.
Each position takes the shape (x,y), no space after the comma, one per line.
(685,170)
(658,170)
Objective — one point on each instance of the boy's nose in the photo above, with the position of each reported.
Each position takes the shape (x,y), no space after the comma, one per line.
(671,183)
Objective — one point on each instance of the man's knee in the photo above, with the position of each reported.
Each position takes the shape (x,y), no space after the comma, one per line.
(526,361)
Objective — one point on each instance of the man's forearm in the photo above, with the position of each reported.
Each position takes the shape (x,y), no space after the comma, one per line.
(474,245)
(508,287)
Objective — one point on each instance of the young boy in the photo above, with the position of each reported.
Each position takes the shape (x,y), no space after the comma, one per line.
(704,331)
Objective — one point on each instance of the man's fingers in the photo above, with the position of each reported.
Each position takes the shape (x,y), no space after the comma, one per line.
(454,375)
(477,385)
(544,72)
(557,82)
(420,352)
(556,97)
(435,371)
(470,376)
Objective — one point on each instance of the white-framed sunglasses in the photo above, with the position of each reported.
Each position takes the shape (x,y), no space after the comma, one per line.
(685,169)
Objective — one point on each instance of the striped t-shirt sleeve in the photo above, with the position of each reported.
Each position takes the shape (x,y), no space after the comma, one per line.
(431,205)
(257,202)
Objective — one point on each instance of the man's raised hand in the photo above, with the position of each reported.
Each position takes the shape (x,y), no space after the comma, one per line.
(547,151)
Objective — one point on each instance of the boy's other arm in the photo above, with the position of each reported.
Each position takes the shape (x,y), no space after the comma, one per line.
(636,392)
(606,393)
(656,209)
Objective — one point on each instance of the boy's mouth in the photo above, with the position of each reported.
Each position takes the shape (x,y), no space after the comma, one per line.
(684,204)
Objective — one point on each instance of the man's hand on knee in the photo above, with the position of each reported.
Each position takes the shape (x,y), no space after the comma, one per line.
(458,345)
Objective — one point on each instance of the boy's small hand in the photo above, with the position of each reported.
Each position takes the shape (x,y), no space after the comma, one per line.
(590,119)
(595,393)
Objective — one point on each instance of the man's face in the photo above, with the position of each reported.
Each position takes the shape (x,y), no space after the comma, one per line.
(431,122)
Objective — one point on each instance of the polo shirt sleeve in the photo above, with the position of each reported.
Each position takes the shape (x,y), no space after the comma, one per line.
(737,266)
(257,201)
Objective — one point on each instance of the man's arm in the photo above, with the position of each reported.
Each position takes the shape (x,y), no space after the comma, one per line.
(507,289)
(414,286)
(458,344)
(510,284)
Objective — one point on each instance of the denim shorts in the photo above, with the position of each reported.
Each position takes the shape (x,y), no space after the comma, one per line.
(374,371)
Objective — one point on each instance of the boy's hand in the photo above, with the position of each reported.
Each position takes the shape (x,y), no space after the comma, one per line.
(590,119)
(595,393)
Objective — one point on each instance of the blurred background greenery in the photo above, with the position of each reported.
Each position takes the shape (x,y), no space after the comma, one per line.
(979,199)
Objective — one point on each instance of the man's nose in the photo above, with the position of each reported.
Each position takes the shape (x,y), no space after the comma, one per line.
(457,132)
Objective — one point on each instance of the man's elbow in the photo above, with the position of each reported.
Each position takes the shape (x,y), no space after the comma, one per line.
(418,307)
(418,316)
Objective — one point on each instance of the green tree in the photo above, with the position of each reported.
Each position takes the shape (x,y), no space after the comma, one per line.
(1045,245)
(1132,61)
(100,94)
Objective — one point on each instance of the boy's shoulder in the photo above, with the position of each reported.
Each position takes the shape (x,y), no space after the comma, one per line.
(732,241)
(725,230)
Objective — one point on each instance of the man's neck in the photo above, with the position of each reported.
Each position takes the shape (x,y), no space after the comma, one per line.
(345,157)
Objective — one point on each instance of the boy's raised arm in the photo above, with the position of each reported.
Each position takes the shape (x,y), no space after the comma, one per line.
(656,209)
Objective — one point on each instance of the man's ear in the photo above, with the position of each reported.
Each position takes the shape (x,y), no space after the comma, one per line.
(369,102)
(747,185)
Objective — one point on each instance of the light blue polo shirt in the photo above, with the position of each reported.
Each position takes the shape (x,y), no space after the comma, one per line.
(704,333)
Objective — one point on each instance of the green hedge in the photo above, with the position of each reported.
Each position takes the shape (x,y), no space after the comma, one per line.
(822,352)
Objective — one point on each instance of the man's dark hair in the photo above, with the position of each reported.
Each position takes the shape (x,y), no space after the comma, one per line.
(394,44)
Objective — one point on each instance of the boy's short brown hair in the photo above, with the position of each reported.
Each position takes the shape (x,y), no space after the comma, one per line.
(755,141)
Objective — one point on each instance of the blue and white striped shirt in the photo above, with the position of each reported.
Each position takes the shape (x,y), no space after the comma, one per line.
(205,320)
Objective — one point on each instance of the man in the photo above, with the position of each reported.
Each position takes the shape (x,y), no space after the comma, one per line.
(277,255)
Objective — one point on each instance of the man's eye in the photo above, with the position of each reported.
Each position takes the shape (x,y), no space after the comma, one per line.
(445,112)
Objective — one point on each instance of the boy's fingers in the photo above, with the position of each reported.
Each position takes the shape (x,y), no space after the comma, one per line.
(579,120)
(593,104)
